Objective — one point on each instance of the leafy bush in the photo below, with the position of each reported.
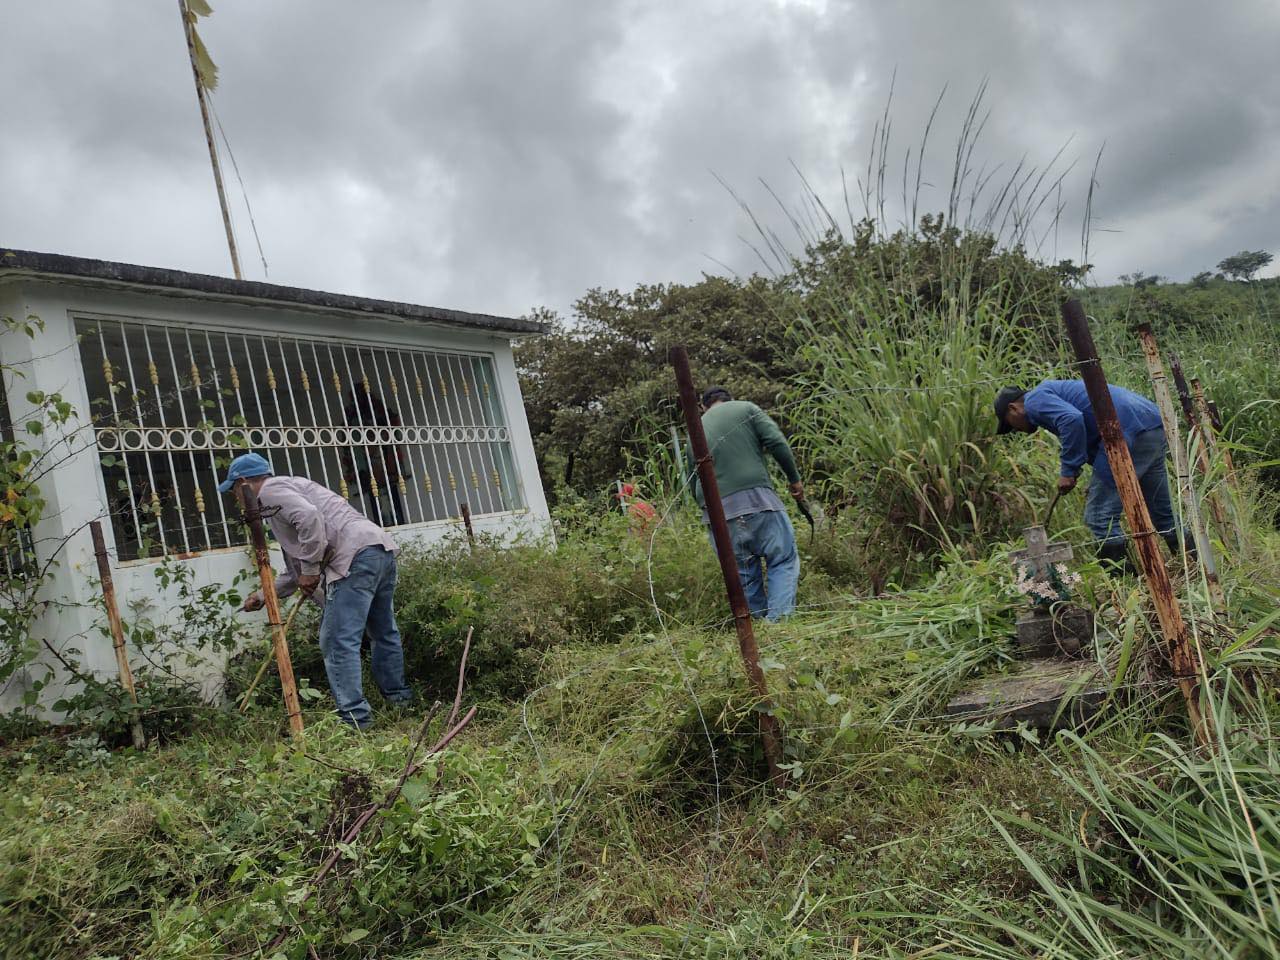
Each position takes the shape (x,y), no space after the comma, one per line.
(207,852)
(601,582)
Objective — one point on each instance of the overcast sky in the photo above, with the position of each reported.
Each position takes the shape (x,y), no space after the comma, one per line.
(497,156)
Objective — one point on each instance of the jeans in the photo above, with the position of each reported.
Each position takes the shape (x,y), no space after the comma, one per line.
(1102,508)
(768,536)
(358,603)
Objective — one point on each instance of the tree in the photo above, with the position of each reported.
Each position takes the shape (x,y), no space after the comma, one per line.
(599,390)
(1201,279)
(1139,279)
(1072,274)
(1244,264)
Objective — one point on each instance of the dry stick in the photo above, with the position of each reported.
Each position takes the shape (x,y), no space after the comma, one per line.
(410,768)
(117,629)
(1211,441)
(361,821)
(769,733)
(1202,447)
(1204,548)
(462,672)
(1186,662)
(465,510)
(253,517)
(266,661)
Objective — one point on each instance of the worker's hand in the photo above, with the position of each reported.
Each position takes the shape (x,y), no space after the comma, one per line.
(307,584)
(1066,484)
(797,490)
(253,602)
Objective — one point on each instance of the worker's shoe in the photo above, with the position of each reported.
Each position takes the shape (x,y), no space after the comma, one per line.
(1114,557)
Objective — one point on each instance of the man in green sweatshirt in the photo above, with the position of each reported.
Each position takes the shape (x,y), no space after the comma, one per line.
(739,434)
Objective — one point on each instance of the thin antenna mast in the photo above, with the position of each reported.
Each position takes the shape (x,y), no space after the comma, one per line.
(208,80)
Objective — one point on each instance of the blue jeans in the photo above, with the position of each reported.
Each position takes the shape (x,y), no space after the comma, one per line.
(766,536)
(1103,510)
(358,603)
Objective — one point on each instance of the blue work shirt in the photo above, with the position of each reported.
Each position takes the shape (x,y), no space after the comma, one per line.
(1062,407)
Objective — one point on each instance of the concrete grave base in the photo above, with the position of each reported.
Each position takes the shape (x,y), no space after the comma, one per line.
(1046,694)
(1066,630)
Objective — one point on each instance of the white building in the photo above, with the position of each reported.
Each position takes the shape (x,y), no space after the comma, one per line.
(407,411)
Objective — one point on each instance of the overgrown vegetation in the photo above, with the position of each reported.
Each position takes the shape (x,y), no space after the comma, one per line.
(547,830)
(608,800)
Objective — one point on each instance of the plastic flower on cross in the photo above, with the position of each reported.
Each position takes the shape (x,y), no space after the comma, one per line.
(1052,587)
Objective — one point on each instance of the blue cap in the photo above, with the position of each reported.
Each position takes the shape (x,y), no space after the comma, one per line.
(245,465)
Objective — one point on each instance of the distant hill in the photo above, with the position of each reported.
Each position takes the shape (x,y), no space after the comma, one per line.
(1204,305)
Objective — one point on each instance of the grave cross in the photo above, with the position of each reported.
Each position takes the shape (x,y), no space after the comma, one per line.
(1040,555)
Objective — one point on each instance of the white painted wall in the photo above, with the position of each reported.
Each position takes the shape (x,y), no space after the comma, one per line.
(75,491)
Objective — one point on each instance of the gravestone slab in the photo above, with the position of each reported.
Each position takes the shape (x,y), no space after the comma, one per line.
(1051,694)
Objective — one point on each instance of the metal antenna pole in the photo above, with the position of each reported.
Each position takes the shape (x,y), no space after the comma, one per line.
(188,30)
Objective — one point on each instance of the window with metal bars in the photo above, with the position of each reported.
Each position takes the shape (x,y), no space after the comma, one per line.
(404,434)
(17,549)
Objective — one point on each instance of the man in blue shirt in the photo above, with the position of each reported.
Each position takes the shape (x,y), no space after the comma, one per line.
(1062,407)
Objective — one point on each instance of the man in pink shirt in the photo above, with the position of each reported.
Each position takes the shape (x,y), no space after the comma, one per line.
(348,560)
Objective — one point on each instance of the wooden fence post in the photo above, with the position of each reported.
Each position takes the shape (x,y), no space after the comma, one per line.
(769,733)
(1218,451)
(1164,400)
(1185,659)
(1215,421)
(117,629)
(464,509)
(1201,445)
(284,664)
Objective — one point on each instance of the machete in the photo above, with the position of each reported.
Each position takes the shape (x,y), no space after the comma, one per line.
(805,509)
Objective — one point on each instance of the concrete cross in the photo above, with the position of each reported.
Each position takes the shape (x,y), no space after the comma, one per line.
(1040,555)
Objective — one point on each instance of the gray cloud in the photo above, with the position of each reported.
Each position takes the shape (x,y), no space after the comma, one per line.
(497,156)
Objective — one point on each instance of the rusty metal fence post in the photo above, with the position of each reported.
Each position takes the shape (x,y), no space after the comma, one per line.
(284,664)
(769,733)
(117,629)
(1185,659)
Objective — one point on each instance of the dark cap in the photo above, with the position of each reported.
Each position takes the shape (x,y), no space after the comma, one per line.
(1005,397)
(715,395)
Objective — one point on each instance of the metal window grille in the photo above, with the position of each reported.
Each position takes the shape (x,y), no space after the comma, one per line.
(403,434)
(17,556)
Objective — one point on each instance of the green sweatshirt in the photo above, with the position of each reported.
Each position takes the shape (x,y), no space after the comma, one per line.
(738,434)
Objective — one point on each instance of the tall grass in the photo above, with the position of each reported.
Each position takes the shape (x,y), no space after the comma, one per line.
(1177,853)
(896,406)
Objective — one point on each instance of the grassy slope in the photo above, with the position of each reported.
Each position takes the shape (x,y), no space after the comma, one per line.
(589,819)
(886,836)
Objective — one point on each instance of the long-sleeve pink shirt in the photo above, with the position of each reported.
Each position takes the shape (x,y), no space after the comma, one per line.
(317,529)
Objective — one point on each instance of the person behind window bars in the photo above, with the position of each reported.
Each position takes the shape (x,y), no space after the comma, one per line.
(352,560)
(375,468)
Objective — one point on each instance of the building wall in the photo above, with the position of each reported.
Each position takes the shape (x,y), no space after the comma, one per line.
(75,490)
